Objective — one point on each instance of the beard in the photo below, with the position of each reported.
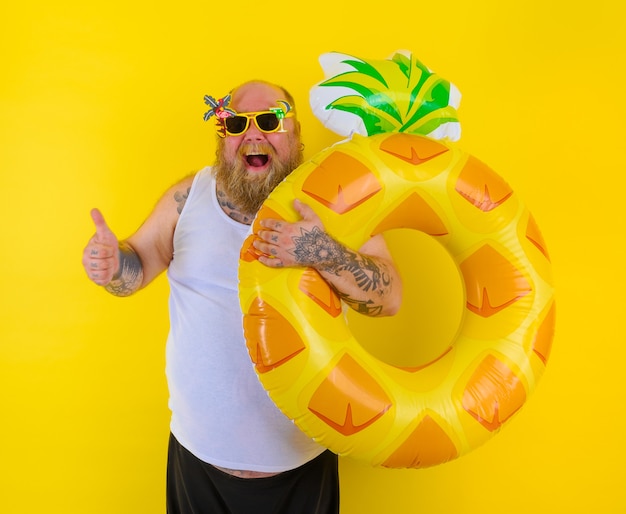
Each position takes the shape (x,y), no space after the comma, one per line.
(247,191)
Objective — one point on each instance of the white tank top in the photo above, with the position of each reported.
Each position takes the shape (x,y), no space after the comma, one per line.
(220,411)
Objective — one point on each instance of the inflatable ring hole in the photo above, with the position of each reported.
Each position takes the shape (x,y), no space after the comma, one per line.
(432,306)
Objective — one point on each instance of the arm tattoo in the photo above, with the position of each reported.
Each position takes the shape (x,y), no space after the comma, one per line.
(181,199)
(129,276)
(316,248)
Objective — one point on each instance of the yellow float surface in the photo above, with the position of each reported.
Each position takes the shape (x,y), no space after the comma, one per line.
(316,370)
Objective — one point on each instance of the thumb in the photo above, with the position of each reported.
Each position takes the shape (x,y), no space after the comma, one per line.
(305,211)
(104,234)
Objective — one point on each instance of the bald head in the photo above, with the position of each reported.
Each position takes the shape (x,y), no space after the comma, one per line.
(253,86)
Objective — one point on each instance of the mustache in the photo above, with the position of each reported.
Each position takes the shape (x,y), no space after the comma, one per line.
(255,149)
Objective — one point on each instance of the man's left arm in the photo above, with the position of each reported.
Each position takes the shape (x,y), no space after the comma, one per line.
(367,279)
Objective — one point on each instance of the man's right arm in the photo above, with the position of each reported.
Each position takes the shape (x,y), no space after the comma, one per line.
(124,267)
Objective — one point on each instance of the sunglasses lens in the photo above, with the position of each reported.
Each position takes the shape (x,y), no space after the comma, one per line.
(236,124)
(267,122)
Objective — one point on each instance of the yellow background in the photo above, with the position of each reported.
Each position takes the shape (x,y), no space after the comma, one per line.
(101,105)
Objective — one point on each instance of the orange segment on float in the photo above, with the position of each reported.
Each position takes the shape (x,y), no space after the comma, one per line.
(265,212)
(493,394)
(341,183)
(543,340)
(349,399)
(414,213)
(412,150)
(533,234)
(249,253)
(316,288)
(492,283)
(261,324)
(427,445)
(481,186)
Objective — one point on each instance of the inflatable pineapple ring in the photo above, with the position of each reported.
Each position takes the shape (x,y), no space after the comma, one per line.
(319,375)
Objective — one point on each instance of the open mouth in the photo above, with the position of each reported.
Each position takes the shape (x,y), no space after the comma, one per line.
(257,160)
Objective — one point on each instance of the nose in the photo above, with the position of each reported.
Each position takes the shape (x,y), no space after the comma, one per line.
(253,133)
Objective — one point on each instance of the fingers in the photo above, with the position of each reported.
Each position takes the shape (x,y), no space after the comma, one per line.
(271,225)
(100,270)
(277,239)
(271,254)
(269,249)
(308,215)
(271,262)
(270,236)
(99,263)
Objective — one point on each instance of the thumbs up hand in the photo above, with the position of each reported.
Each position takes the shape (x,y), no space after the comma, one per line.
(101,255)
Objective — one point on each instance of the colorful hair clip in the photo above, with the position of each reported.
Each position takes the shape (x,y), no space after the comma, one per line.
(219,109)
(281,112)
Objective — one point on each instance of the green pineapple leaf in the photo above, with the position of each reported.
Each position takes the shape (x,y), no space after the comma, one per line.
(398,94)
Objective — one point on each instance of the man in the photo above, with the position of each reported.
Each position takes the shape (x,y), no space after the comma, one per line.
(231,450)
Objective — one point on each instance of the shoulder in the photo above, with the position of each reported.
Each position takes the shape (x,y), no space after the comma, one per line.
(174,198)
(153,240)
(180,191)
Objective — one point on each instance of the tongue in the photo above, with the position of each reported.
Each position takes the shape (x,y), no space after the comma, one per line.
(257,161)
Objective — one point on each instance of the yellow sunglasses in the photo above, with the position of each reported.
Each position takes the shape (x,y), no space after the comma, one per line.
(266,121)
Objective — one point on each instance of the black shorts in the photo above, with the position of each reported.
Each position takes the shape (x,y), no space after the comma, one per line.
(195,487)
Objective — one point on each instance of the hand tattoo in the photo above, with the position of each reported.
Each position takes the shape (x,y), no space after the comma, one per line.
(317,249)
